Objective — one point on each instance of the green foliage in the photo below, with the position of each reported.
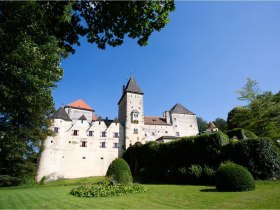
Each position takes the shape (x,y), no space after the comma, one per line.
(119,171)
(202,124)
(106,190)
(261,116)
(241,134)
(250,91)
(195,171)
(259,156)
(7,181)
(194,174)
(221,124)
(35,36)
(108,22)
(233,177)
(238,117)
(161,162)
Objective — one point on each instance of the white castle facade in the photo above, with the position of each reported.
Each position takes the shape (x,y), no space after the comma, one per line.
(85,145)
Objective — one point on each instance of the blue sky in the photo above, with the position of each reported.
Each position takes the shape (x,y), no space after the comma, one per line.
(199,59)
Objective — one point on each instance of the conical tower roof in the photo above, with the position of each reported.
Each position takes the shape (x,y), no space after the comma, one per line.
(61,114)
(132,86)
(180,109)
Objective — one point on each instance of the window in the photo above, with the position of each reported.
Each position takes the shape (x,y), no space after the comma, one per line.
(135,131)
(135,115)
(177,134)
(56,129)
(84,144)
(116,145)
(75,133)
(84,157)
(103,134)
(166,131)
(153,134)
(103,144)
(90,133)
(174,119)
(116,135)
(191,126)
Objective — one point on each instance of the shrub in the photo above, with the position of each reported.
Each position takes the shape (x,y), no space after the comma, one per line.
(150,175)
(233,177)
(106,190)
(208,175)
(7,181)
(260,156)
(241,134)
(119,171)
(195,172)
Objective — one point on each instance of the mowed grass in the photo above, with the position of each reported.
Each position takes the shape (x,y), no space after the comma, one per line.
(56,195)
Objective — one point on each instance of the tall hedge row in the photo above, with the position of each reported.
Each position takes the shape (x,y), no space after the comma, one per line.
(259,156)
(157,162)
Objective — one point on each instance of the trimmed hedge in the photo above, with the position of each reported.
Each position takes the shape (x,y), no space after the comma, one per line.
(160,162)
(194,174)
(119,171)
(241,134)
(153,161)
(259,156)
(89,191)
(233,177)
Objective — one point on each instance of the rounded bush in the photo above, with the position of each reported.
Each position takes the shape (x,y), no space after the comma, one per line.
(233,177)
(119,171)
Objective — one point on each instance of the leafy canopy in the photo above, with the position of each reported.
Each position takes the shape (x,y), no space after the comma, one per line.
(35,36)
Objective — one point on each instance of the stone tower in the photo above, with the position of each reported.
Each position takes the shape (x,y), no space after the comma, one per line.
(131,113)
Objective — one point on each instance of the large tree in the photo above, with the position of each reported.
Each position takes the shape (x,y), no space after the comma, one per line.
(261,115)
(250,91)
(34,37)
(202,124)
(221,124)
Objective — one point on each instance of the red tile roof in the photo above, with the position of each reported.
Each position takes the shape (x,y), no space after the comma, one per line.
(80,104)
(151,120)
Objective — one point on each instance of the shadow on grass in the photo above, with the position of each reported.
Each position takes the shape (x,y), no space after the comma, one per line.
(208,190)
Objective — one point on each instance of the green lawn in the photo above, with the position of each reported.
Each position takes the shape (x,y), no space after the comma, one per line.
(56,195)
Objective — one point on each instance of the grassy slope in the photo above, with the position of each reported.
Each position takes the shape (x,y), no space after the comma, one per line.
(56,195)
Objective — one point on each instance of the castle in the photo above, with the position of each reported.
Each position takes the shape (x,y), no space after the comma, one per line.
(84,145)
